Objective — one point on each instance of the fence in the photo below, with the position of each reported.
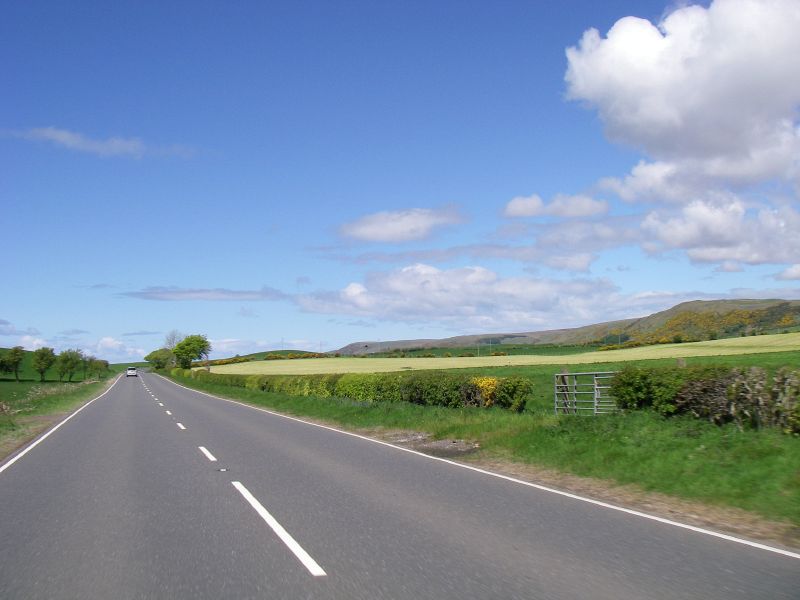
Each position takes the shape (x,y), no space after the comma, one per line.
(583,393)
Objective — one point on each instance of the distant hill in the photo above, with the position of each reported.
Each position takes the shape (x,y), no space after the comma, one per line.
(688,321)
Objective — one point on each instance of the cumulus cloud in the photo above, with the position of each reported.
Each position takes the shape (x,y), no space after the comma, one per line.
(468,297)
(560,206)
(725,231)
(30,342)
(716,81)
(791,273)
(710,93)
(176,294)
(114,146)
(399,226)
(114,350)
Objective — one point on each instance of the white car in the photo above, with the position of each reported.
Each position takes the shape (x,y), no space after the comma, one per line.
(131,371)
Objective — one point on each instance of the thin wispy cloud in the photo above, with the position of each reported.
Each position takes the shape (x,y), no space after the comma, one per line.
(178,294)
(8,329)
(139,333)
(130,147)
(561,205)
(400,226)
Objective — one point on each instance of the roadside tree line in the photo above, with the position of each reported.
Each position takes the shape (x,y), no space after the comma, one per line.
(67,363)
(179,350)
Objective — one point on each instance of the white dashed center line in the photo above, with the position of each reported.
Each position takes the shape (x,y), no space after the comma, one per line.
(303,556)
(180,426)
(208,454)
(168,412)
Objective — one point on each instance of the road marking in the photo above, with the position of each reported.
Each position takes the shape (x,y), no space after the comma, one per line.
(180,426)
(636,513)
(39,440)
(161,404)
(208,454)
(303,556)
(168,412)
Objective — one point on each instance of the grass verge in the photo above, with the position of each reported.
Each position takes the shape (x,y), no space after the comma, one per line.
(758,471)
(36,406)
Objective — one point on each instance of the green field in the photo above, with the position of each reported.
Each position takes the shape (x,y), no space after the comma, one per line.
(726,347)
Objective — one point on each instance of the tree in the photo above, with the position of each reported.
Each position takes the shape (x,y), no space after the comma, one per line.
(191,348)
(98,366)
(173,338)
(11,361)
(69,361)
(86,364)
(160,358)
(43,359)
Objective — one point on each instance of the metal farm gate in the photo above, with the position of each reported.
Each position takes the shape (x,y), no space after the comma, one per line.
(583,393)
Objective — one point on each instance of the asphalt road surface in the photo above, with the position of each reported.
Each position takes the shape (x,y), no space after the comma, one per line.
(155,491)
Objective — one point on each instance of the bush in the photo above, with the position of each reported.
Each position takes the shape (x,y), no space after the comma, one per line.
(430,388)
(645,387)
(513,393)
(786,393)
(487,387)
(719,395)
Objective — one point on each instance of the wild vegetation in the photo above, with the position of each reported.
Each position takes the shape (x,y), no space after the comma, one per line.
(33,389)
(748,398)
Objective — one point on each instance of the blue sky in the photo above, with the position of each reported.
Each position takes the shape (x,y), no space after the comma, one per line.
(308,174)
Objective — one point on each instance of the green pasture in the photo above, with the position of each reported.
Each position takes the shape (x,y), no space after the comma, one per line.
(789,342)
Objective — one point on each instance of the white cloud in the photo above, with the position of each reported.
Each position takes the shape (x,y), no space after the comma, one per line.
(791,273)
(114,146)
(573,262)
(114,350)
(472,299)
(30,342)
(725,231)
(469,297)
(399,226)
(524,206)
(560,206)
(711,93)
(177,294)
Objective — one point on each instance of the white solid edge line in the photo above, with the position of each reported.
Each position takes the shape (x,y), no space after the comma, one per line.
(208,454)
(180,426)
(47,434)
(716,534)
(303,556)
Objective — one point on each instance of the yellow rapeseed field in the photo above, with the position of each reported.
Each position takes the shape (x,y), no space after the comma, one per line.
(742,345)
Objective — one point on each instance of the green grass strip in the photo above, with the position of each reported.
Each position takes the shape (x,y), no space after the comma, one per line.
(757,471)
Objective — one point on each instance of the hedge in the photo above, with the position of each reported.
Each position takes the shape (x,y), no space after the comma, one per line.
(746,397)
(429,388)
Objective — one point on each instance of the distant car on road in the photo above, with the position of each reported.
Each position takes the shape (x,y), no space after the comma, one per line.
(131,371)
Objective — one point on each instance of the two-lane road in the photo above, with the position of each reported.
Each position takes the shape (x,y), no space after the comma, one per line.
(155,491)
